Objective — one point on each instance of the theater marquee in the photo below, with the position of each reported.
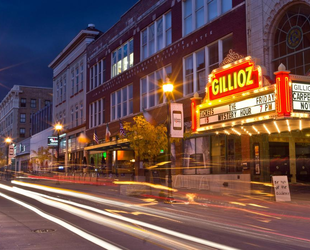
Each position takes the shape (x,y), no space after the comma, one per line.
(235,92)
(301,96)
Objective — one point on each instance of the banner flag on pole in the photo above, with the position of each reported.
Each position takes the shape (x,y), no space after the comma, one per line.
(95,137)
(107,133)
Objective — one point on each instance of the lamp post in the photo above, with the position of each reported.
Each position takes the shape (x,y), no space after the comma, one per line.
(168,89)
(58,127)
(8,141)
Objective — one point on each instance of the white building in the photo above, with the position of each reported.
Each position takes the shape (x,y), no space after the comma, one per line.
(37,141)
(69,93)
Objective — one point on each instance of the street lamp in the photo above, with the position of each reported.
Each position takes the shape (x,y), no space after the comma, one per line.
(168,89)
(58,127)
(8,142)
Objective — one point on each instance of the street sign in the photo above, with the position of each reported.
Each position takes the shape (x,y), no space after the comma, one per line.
(11,152)
(52,141)
(177,120)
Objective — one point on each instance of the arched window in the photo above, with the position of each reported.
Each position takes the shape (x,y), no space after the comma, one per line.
(292,40)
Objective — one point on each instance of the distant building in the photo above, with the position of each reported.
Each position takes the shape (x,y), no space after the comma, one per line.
(42,119)
(69,91)
(22,156)
(16,110)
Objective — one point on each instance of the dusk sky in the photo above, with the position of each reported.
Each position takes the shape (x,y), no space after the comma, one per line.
(33,33)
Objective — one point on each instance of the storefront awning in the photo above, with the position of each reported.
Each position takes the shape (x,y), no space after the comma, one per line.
(119,144)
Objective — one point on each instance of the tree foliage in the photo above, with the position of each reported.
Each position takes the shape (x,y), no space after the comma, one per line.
(145,139)
(42,154)
(2,159)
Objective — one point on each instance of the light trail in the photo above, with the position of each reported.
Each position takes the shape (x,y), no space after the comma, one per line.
(265,214)
(64,224)
(133,221)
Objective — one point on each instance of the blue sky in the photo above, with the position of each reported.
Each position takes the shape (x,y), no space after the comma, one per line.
(34,32)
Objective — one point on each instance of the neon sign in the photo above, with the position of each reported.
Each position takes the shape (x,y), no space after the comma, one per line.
(234,78)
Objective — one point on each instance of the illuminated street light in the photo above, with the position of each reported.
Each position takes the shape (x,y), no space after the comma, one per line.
(8,142)
(168,89)
(58,127)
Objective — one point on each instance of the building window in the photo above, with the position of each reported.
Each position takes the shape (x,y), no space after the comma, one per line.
(98,74)
(151,88)
(91,83)
(61,91)
(72,82)
(77,79)
(81,76)
(122,102)
(22,132)
(103,111)
(82,113)
(47,102)
(77,116)
(292,40)
(196,13)
(33,103)
(197,68)
(22,118)
(122,58)
(64,87)
(22,102)
(153,38)
(97,113)
(72,117)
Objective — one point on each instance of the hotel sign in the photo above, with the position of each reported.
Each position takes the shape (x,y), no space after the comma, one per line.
(233,79)
(301,96)
(242,109)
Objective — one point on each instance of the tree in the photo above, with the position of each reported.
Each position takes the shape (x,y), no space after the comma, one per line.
(145,139)
(2,159)
(43,154)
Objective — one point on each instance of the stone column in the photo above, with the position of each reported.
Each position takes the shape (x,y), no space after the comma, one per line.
(292,155)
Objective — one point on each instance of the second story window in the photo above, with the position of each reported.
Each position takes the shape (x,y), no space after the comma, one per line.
(81,76)
(97,74)
(122,102)
(77,79)
(97,113)
(22,102)
(33,103)
(72,82)
(151,88)
(199,65)
(22,118)
(156,36)
(196,13)
(122,58)
(22,132)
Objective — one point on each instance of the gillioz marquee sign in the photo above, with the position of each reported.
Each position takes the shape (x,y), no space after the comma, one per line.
(234,78)
(234,91)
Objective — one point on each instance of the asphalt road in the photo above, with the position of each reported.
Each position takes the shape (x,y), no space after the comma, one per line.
(56,219)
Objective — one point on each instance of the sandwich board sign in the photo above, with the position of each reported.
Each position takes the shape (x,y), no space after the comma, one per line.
(281,188)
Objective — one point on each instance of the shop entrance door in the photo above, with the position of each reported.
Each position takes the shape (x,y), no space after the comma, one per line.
(303,162)
(279,158)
